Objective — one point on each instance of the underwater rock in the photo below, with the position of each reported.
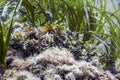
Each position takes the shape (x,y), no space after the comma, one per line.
(55,63)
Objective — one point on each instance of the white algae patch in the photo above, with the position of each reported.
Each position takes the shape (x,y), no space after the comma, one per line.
(54,55)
